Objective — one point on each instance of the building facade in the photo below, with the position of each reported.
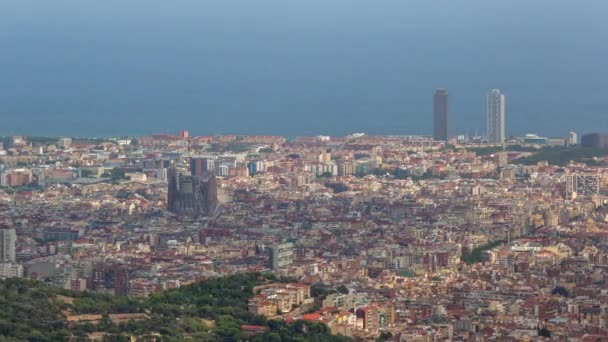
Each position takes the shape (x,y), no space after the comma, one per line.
(61,234)
(281,255)
(8,238)
(15,178)
(110,278)
(10,270)
(582,184)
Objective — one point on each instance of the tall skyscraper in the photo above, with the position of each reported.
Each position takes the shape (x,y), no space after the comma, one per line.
(496,117)
(440,123)
(8,237)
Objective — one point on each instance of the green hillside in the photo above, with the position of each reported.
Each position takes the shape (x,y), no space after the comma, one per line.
(213,310)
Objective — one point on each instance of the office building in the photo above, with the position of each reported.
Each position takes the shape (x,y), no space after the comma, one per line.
(595,140)
(582,184)
(496,117)
(110,278)
(281,255)
(440,123)
(8,238)
(61,234)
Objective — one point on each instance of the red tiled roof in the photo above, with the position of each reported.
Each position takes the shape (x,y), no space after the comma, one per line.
(312,317)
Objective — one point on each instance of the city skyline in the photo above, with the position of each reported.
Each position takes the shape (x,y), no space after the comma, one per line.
(135,218)
(335,171)
(495,121)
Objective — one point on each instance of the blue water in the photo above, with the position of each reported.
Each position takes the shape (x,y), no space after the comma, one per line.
(294,67)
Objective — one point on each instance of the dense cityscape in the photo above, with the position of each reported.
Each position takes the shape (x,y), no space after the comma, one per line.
(400,238)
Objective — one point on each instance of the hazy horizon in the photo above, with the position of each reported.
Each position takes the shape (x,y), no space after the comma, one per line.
(109,68)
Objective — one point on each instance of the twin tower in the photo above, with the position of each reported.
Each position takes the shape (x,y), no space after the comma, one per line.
(495,111)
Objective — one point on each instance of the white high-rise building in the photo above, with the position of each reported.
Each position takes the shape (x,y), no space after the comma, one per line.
(572,139)
(496,117)
(8,238)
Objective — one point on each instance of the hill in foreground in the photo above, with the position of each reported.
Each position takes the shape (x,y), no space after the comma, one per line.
(213,310)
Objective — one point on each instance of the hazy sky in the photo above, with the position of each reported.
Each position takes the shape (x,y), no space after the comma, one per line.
(86,67)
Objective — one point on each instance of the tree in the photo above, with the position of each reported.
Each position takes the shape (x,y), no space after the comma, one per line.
(273,337)
(477,253)
(313,309)
(227,328)
(384,336)
(86,173)
(337,187)
(342,289)
(117,173)
(561,156)
(544,332)
(123,194)
(560,291)
(116,338)
(29,312)
(105,324)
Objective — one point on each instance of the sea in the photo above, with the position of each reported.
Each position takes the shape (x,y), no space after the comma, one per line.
(300,67)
